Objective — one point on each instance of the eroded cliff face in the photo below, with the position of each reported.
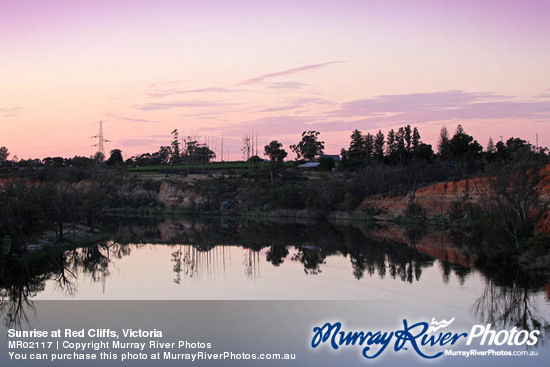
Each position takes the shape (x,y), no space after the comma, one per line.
(170,195)
(436,200)
(176,196)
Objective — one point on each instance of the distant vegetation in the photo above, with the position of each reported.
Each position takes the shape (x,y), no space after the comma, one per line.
(40,195)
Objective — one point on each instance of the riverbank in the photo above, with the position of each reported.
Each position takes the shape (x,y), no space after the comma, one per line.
(76,236)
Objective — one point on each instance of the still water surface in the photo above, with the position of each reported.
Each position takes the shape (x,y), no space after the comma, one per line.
(428,271)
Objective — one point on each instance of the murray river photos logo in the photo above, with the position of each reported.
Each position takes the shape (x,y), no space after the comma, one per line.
(427,340)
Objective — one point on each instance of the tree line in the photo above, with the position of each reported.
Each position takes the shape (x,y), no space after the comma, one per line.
(396,147)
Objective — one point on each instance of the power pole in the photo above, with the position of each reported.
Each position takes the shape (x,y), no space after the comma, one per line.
(101,140)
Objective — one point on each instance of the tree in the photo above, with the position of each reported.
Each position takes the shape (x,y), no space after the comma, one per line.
(463,145)
(400,140)
(203,154)
(115,158)
(62,206)
(491,146)
(356,146)
(4,154)
(191,146)
(379,142)
(247,147)
(165,153)
(513,201)
(415,138)
(274,151)
(424,152)
(390,142)
(78,161)
(309,147)
(326,163)
(443,143)
(369,145)
(175,158)
(143,159)
(98,157)
(254,159)
(360,147)
(408,137)
(22,215)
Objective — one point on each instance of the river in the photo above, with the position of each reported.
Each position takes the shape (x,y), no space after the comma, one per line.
(426,271)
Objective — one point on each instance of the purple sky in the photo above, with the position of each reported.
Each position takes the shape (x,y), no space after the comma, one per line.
(219,69)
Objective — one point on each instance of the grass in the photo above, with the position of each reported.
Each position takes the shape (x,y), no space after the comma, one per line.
(207,166)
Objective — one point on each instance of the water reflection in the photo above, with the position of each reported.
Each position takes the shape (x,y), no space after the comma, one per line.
(509,304)
(193,262)
(22,277)
(374,252)
(201,250)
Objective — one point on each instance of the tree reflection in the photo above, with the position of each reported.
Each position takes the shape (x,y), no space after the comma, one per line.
(510,305)
(381,258)
(177,260)
(202,248)
(312,257)
(277,254)
(252,263)
(191,262)
(16,303)
(66,278)
(18,284)
(22,277)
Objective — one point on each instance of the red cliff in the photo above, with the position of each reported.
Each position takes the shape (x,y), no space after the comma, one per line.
(436,200)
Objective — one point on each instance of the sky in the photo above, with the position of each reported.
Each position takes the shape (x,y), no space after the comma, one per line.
(220,70)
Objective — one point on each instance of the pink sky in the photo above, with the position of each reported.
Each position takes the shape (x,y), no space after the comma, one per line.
(217,69)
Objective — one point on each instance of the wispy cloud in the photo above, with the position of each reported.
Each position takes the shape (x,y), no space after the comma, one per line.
(400,103)
(287,85)
(125,118)
(154,85)
(179,104)
(10,111)
(298,103)
(174,91)
(287,72)
(272,126)
(440,106)
(207,115)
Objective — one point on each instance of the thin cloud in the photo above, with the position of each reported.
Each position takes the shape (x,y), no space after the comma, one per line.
(402,103)
(170,92)
(280,108)
(298,103)
(272,126)
(178,104)
(422,108)
(287,72)
(10,111)
(205,115)
(287,85)
(124,118)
